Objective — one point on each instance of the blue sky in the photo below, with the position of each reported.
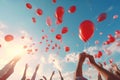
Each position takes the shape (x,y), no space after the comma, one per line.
(16,19)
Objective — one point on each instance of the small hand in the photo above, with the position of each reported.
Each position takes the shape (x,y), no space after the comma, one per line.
(53,72)
(91,59)
(114,67)
(37,67)
(82,57)
(26,66)
(44,77)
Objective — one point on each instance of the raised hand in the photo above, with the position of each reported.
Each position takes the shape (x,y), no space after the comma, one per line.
(91,59)
(82,57)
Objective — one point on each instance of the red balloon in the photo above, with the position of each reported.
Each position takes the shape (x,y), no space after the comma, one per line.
(111,38)
(64,30)
(28,5)
(59,12)
(54,1)
(102,17)
(117,32)
(59,21)
(8,37)
(33,20)
(86,30)
(100,54)
(58,36)
(39,12)
(67,49)
(48,21)
(106,42)
(72,9)
(82,38)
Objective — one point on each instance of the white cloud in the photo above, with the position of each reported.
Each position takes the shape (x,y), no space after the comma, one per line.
(55,61)
(2,25)
(110,8)
(71,58)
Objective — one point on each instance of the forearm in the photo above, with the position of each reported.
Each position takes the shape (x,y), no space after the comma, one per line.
(79,69)
(107,75)
(24,75)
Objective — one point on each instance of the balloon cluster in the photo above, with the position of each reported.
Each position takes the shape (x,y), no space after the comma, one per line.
(98,55)
(38,11)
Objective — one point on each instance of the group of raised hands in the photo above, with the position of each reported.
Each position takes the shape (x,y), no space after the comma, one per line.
(112,74)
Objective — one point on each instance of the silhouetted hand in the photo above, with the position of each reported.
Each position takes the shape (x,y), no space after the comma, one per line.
(115,67)
(91,59)
(37,67)
(53,72)
(44,78)
(82,57)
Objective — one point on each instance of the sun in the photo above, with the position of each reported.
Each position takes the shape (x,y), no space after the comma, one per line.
(13,49)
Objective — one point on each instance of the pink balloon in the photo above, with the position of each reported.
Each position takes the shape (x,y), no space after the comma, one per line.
(33,19)
(96,42)
(111,60)
(48,21)
(52,30)
(9,37)
(117,34)
(115,16)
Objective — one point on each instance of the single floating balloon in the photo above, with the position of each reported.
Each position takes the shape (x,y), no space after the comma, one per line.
(67,49)
(72,9)
(64,30)
(115,16)
(100,54)
(96,42)
(86,30)
(39,12)
(111,60)
(102,17)
(48,21)
(33,19)
(59,12)
(111,39)
(8,38)
(58,36)
(28,5)
(52,30)
(54,1)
